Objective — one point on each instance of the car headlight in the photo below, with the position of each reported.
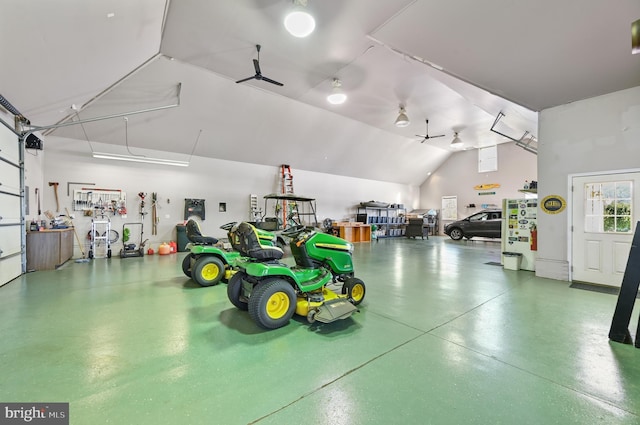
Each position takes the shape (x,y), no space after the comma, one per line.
(350,247)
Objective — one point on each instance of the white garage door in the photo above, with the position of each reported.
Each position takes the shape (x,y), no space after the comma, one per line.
(10,207)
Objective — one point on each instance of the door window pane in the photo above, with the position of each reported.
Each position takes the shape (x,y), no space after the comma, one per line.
(607,207)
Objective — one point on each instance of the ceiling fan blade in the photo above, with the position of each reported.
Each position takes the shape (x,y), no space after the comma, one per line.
(256,65)
(421,135)
(245,79)
(269,80)
(439,135)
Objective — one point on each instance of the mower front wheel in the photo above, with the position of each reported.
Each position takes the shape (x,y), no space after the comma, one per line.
(234,291)
(208,271)
(272,303)
(355,290)
(186,265)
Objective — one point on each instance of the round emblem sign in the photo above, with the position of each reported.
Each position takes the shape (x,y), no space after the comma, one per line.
(553,204)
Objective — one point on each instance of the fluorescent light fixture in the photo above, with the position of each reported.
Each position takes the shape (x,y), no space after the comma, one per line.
(299,22)
(144,159)
(337,96)
(403,119)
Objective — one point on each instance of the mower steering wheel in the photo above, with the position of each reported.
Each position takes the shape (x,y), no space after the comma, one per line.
(294,231)
(228,226)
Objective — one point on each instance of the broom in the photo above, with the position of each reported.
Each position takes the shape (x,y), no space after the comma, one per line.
(83,259)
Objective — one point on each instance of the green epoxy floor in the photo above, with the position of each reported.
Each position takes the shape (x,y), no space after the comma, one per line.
(441,338)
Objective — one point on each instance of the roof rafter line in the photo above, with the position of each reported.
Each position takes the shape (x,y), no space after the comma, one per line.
(106,91)
(439,68)
(106,117)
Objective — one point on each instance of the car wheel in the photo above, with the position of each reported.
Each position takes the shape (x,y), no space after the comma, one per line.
(272,303)
(456,234)
(208,271)
(355,290)
(234,291)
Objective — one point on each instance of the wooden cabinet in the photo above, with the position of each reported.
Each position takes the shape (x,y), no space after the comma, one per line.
(49,249)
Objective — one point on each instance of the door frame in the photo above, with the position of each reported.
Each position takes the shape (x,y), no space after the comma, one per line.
(570,208)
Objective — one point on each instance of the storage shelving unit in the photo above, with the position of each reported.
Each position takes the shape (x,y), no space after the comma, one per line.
(390,221)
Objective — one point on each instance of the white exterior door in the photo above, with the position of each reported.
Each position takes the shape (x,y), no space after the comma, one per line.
(605,211)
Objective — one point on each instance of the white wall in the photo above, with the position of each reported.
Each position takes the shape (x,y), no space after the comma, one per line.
(34,178)
(216,181)
(592,135)
(459,175)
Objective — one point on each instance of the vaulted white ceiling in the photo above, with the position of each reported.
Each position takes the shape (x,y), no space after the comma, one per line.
(456,63)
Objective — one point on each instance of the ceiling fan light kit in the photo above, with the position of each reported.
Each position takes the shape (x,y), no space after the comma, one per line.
(337,96)
(403,119)
(299,22)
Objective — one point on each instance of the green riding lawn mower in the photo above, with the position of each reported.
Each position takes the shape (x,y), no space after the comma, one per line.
(321,286)
(209,261)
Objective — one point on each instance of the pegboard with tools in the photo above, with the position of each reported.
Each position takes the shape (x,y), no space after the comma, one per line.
(113,201)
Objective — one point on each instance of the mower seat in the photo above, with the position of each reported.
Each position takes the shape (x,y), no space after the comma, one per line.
(244,239)
(195,236)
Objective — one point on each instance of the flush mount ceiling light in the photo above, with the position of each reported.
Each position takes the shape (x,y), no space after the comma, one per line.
(403,119)
(456,142)
(299,22)
(337,96)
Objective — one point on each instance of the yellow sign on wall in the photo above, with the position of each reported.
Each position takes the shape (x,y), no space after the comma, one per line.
(487,186)
(553,204)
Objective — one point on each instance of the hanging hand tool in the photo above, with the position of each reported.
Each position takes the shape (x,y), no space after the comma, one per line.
(55,191)
(38,196)
(154,213)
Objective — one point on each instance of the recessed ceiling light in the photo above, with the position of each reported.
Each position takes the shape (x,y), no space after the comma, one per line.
(111,15)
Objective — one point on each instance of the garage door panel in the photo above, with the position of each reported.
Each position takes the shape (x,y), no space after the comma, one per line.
(10,268)
(9,146)
(9,209)
(10,240)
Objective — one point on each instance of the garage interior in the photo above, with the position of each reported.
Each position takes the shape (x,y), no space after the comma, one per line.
(445,333)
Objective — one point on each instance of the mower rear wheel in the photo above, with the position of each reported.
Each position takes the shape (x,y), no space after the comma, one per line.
(234,290)
(272,303)
(186,265)
(208,270)
(355,289)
